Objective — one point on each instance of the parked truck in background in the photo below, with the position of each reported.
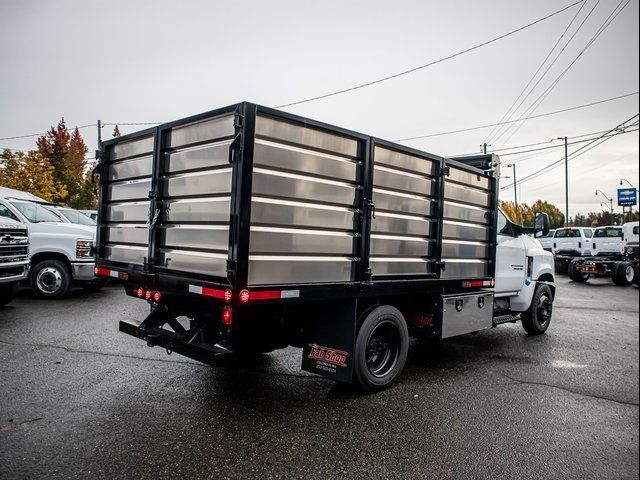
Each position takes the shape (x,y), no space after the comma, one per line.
(61,252)
(547,241)
(607,241)
(249,229)
(14,255)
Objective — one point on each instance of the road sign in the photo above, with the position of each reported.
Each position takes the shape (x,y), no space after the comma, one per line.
(627,197)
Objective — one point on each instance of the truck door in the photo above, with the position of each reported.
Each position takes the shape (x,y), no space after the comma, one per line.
(510,258)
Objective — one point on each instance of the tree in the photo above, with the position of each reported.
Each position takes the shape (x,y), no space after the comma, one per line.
(30,172)
(525,214)
(66,153)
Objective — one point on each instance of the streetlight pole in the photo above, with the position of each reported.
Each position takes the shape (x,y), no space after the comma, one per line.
(610,200)
(566,177)
(515,191)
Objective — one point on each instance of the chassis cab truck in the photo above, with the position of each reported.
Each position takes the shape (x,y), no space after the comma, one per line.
(248,229)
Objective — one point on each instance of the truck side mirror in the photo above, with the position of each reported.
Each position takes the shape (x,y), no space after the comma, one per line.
(541,225)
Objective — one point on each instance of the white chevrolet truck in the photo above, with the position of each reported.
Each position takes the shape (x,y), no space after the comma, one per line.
(61,253)
(14,255)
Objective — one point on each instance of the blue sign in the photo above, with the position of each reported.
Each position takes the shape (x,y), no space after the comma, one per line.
(627,197)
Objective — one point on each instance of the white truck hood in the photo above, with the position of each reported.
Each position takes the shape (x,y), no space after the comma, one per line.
(66,229)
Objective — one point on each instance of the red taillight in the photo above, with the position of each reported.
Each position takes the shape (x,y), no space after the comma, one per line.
(157,296)
(101,272)
(244,296)
(140,292)
(228,295)
(148,294)
(227,316)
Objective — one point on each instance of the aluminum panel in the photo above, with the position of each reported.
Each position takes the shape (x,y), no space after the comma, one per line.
(281,156)
(136,167)
(205,263)
(202,131)
(465,213)
(306,136)
(129,190)
(208,156)
(266,240)
(468,178)
(398,202)
(460,193)
(383,245)
(125,254)
(462,249)
(405,182)
(266,211)
(127,233)
(466,313)
(381,266)
(465,231)
(392,158)
(132,148)
(199,183)
(266,182)
(128,212)
(197,210)
(209,237)
(402,224)
(463,268)
(273,270)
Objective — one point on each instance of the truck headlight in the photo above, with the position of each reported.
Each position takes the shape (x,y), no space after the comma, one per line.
(84,248)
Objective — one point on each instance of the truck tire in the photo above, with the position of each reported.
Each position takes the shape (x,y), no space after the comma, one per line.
(623,273)
(537,318)
(382,343)
(575,275)
(50,279)
(8,292)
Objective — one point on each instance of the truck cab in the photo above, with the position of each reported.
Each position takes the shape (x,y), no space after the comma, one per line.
(630,236)
(607,241)
(574,241)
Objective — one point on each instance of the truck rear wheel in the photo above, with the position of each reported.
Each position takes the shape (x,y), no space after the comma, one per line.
(8,292)
(50,279)
(382,343)
(537,318)
(623,273)
(575,275)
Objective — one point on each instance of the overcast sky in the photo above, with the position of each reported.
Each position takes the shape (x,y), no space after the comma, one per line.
(148,61)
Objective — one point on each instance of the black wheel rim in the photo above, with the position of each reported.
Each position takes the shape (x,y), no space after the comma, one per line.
(544,310)
(383,349)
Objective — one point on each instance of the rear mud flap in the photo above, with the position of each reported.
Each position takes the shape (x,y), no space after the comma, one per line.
(329,340)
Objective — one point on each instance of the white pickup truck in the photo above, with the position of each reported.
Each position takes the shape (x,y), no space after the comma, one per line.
(61,253)
(547,241)
(574,241)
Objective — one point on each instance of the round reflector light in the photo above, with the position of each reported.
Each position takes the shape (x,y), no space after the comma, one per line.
(157,296)
(244,296)
(227,316)
(228,295)
(148,294)
(140,292)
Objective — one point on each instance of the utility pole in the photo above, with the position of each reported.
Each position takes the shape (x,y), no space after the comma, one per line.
(566,174)
(515,187)
(484,148)
(99,135)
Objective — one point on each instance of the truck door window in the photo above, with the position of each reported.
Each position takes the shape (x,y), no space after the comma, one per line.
(504,225)
(588,232)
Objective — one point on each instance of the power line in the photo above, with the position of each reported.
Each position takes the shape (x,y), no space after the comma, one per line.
(487,139)
(479,127)
(44,133)
(573,154)
(443,59)
(612,16)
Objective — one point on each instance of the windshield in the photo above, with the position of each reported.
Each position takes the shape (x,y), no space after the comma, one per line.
(74,216)
(36,213)
(608,233)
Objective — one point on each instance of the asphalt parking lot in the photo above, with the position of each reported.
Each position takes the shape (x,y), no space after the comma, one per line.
(78,400)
